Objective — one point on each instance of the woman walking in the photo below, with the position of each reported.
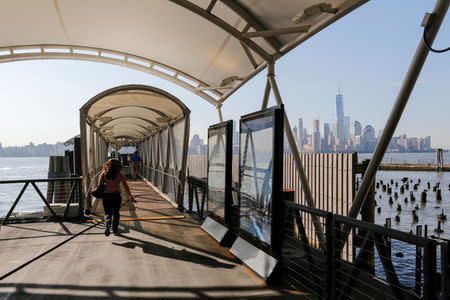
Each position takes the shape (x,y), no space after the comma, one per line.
(112,200)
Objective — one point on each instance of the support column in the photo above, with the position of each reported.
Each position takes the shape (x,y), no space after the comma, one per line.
(91,149)
(296,156)
(266,94)
(409,82)
(116,152)
(219,111)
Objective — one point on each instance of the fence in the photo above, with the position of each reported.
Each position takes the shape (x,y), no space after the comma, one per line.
(62,194)
(325,274)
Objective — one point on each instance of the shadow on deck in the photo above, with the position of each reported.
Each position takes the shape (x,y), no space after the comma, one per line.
(164,258)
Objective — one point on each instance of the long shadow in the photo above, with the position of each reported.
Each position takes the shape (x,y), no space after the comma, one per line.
(179,243)
(167,223)
(33,229)
(45,236)
(163,251)
(67,291)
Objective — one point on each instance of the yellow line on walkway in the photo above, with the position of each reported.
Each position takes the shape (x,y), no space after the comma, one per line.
(143,218)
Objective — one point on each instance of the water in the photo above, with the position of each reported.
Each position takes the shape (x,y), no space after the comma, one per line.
(14,168)
(408,158)
(17,168)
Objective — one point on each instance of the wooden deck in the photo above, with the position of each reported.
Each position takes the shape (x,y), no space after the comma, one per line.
(168,258)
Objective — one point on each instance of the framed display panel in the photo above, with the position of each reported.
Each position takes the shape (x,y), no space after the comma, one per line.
(261,175)
(220,171)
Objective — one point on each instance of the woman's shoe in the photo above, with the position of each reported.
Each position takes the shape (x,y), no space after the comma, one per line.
(107,232)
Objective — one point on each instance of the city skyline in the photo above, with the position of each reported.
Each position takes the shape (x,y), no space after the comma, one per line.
(342,137)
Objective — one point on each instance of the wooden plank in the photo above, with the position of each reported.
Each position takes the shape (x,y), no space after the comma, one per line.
(335,181)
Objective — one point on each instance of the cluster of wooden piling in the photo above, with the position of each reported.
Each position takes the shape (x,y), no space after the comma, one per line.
(396,190)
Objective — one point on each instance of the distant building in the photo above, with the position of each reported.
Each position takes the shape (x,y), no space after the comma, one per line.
(340,135)
(340,106)
(301,136)
(347,127)
(370,140)
(195,145)
(326,130)
(316,125)
(295,133)
(356,129)
(316,141)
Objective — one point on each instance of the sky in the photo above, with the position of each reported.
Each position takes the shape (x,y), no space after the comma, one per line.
(367,53)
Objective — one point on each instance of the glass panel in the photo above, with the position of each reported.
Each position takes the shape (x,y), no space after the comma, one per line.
(178,134)
(95,149)
(155,149)
(216,172)
(163,147)
(88,142)
(256,177)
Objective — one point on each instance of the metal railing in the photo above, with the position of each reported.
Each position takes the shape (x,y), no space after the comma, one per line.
(166,182)
(198,186)
(60,194)
(384,263)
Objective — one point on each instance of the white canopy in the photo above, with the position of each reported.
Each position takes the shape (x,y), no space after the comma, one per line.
(207,46)
(132,112)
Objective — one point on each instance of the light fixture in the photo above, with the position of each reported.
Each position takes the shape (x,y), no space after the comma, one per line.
(314,11)
(229,80)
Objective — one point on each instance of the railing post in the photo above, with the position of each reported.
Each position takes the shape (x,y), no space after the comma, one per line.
(331,271)
(429,270)
(337,253)
(191,195)
(445,271)
(418,280)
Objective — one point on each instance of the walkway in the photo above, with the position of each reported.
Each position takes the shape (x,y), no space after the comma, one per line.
(168,258)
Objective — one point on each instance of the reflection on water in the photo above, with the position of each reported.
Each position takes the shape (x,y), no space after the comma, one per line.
(16,168)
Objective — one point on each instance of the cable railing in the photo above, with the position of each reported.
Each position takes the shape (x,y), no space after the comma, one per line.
(61,198)
(381,263)
(165,181)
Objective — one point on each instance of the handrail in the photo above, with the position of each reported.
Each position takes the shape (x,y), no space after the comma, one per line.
(164,173)
(40,180)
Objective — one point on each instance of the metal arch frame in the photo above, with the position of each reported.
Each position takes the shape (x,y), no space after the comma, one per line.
(131,117)
(185,110)
(45,52)
(162,114)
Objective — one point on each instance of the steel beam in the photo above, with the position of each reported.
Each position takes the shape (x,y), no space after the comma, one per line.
(296,156)
(272,32)
(409,82)
(223,25)
(251,20)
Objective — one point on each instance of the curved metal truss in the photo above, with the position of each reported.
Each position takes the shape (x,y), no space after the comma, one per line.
(49,51)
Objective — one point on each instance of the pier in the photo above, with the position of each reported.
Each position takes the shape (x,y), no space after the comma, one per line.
(162,253)
(261,225)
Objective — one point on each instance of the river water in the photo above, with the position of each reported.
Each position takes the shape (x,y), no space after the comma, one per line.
(16,168)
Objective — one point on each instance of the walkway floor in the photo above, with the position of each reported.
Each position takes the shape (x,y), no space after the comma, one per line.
(168,258)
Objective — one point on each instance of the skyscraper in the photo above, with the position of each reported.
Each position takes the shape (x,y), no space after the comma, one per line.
(340,123)
(316,125)
(326,130)
(326,133)
(340,106)
(300,132)
(347,127)
(294,131)
(356,128)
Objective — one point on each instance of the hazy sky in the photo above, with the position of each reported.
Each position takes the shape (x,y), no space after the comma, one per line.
(368,52)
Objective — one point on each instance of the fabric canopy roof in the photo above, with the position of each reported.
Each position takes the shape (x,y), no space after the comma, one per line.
(132,112)
(210,47)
